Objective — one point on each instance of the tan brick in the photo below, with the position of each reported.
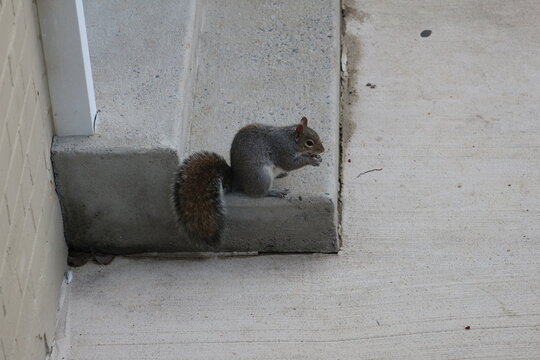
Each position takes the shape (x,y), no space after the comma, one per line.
(39,172)
(7,30)
(34,150)
(27,117)
(2,350)
(55,263)
(14,109)
(12,303)
(29,339)
(4,225)
(13,6)
(17,39)
(21,251)
(29,56)
(5,92)
(26,188)
(5,156)
(15,231)
(36,274)
(44,106)
(12,189)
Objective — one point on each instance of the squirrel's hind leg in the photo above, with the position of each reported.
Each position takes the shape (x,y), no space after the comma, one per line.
(258,183)
(255,182)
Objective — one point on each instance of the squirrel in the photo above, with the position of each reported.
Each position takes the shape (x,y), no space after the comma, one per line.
(259,154)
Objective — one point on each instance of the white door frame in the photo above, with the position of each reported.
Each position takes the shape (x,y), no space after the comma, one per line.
(67,59)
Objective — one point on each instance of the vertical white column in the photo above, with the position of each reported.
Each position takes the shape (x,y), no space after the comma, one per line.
(67,59)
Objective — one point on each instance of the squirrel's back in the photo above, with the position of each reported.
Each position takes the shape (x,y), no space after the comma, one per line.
(197,200)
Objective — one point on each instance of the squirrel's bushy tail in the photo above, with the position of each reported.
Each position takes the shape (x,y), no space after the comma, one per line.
(199,183)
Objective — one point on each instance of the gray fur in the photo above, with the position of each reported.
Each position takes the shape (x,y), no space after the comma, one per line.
(259,154)
(256,148)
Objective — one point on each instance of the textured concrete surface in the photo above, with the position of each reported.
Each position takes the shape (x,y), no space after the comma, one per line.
(445,236)
(272,62)
(187,82)
(140,63)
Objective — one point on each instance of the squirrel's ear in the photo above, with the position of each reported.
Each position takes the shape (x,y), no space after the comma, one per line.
(304,121)
(299,130)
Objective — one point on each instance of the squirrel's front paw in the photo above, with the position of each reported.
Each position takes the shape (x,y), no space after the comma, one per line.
(315,160)
(281,193)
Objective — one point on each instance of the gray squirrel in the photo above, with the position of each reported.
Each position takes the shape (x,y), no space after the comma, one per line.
(259,154)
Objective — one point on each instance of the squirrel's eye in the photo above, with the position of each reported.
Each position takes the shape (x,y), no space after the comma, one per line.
(310,143)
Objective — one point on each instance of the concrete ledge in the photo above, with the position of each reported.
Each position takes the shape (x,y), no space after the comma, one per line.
(116,202)
(221,65)
(280,225)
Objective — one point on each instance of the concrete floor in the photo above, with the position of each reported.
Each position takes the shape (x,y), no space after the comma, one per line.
(445,236)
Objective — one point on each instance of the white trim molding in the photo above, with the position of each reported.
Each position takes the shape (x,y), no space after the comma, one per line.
(65,46)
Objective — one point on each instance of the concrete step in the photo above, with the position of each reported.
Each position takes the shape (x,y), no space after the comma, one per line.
(184,76)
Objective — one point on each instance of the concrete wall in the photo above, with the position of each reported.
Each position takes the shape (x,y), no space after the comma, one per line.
(32,247)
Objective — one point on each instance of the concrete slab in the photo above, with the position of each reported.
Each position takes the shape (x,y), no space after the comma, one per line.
(141,67)
(433,243)
(187,82)
(272,63)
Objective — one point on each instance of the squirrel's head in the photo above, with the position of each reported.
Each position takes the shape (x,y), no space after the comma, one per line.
(307,139)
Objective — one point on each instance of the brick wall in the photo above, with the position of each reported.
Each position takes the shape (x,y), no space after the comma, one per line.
(32,248)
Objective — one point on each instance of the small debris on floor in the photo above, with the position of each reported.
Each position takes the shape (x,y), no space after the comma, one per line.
(467,327)
(365,172)
(371,85)
(425,33)
(76,259)
(69,276)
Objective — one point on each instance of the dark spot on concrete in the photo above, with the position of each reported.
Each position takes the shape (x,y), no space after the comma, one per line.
(358,15)
(157,76)
(425,33)
(467,327)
